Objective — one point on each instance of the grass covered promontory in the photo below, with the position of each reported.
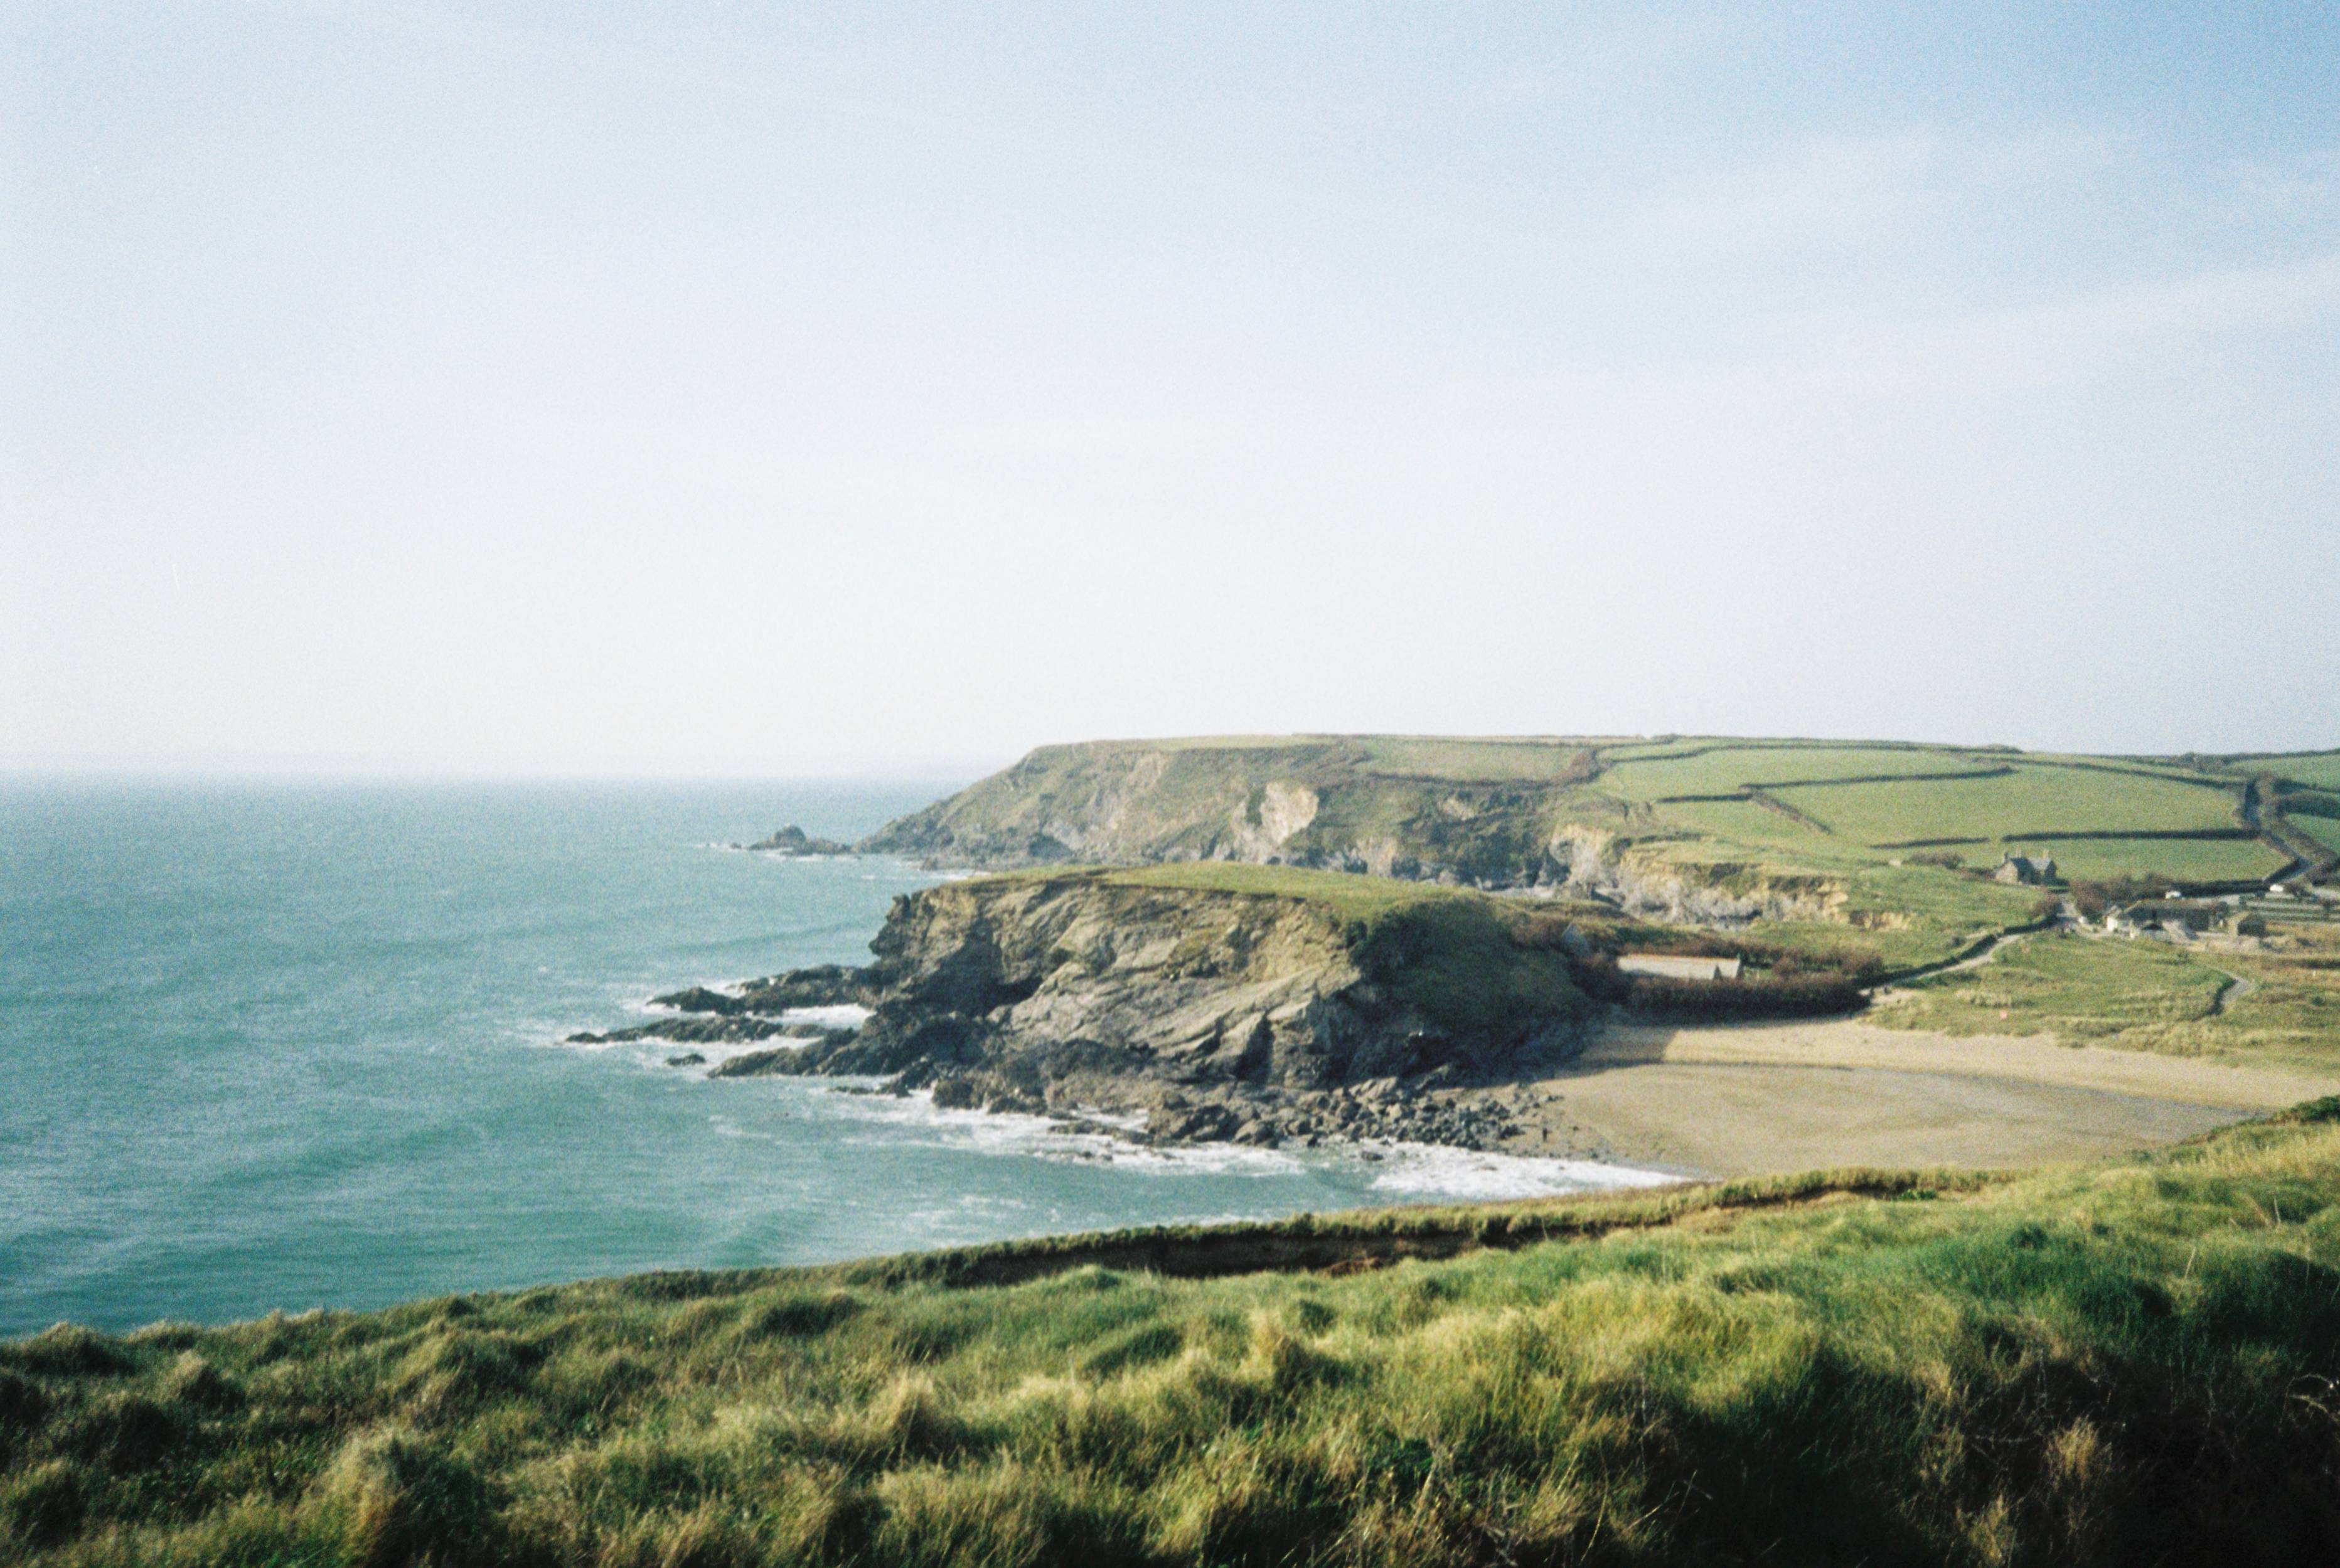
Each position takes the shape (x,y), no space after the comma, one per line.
(2132,1362)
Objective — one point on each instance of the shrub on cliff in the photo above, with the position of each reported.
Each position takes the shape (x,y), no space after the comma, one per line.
(1457,961)
(1788,996)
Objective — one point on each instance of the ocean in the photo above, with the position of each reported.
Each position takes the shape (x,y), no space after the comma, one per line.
(283,1045)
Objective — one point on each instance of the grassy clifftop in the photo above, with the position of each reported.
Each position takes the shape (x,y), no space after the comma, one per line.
(2124,1363)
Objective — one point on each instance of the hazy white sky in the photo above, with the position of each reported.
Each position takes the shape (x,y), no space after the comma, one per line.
(824,389)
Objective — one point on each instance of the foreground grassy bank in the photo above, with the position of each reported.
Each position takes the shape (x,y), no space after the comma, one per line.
(2132,1362)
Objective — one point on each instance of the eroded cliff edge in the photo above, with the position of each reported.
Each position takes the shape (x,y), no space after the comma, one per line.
(1272,1006)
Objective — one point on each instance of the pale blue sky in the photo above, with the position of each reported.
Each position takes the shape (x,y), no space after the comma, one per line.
(812,390)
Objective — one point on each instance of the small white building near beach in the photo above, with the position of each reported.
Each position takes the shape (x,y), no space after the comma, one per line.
(1679,969)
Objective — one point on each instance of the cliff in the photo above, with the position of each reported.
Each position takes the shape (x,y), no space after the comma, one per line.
(1223,1002)
(1483,813)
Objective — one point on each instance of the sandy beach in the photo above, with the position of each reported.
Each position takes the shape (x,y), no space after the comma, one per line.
(1740,1099)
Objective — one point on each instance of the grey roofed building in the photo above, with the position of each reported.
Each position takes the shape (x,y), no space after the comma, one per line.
(2177,919)
(2029,869)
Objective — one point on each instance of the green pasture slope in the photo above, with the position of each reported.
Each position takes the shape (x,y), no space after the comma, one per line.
(2313,770)
(2274,1004)
(2132,1362)
(2100,818)
(1874,814)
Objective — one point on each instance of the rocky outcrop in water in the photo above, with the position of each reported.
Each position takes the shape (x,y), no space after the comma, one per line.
(793,840)
(730,1030)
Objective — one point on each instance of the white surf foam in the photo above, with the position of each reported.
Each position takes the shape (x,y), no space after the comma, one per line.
(836,1016)
(1431,1170)
(1013,1134)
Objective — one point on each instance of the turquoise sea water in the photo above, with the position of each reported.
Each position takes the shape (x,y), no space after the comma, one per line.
(290,1046)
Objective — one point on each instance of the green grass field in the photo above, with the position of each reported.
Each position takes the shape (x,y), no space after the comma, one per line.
(2325,831)
(1474,760)
(2318,769)
(1748,822)
(2039,794)
(1351,897)
(2033,800)
(2126,1363)
(2081,989)
(2163,860)
(2144,994)
(1724,770)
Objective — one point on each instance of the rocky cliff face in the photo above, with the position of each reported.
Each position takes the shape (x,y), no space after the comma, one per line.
(1217,1014)
(1587,862)
(1337,805)
(1346,804)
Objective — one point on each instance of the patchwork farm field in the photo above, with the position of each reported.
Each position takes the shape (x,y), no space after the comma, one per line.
(1726,769)
(2164,859)
(2318,769)
(1860,803)
(2031,799)
(1752,822)
(2325,831)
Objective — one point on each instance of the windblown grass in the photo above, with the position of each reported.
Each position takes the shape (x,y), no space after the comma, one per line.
(2127,1363)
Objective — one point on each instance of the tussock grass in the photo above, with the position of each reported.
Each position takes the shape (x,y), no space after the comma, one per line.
(2132,1362)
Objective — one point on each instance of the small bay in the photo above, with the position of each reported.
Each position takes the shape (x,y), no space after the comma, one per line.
(294,1045)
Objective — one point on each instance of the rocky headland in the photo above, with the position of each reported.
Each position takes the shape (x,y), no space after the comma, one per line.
(1254,1005)
(1520,816)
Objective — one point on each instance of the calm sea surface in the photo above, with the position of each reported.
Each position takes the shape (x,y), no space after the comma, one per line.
(282,1046)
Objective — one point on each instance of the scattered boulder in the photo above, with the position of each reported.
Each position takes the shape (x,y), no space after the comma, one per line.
(1204,1124)
(822,985)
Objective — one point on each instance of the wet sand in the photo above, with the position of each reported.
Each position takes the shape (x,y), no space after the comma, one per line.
(1746,1098)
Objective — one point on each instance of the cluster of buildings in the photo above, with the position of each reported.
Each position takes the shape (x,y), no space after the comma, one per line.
(2176,918)
(2183,920)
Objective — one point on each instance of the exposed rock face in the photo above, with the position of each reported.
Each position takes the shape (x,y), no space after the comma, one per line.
(1222,1016)
(736,1029)
(699,1000)
(1350,804)
(1588,863)
(1342,804)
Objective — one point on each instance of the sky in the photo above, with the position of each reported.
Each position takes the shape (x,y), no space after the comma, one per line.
(836,390)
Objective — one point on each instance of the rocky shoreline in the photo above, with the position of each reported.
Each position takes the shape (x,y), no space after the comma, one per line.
(1204,1017)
